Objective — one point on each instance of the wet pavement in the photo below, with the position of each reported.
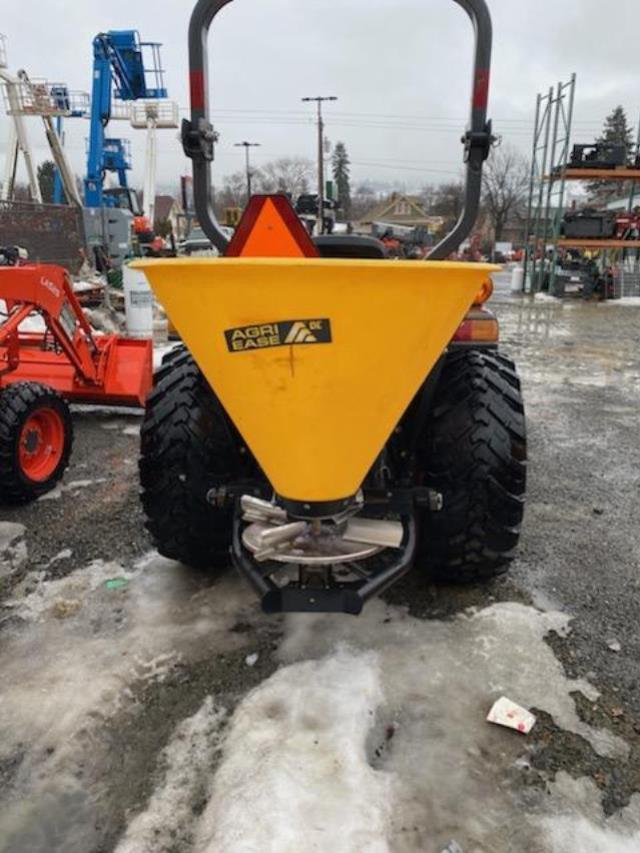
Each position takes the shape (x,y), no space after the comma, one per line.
(147,707)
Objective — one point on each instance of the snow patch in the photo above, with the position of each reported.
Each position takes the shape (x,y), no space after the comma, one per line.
(580,835)
(37,604)
(159,353)
(454,775)
(65,554)
(156,669)
(546,297)
(33,323)
(498,650)
(68,673)
(625,300)
(73,486)
(13,549)
(295,774)
(372,737)
(580,827)
(167,822)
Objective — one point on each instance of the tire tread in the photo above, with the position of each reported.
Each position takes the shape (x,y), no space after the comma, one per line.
(475,455)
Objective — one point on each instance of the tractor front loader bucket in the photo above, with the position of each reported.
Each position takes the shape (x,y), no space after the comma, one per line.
(315,361)
(124,370)
(128,368)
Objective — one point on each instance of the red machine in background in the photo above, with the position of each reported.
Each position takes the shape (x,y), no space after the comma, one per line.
(41,372)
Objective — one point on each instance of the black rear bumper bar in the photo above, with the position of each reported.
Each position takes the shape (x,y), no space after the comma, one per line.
(336,597)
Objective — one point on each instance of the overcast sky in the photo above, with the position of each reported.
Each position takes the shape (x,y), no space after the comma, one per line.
(401,69)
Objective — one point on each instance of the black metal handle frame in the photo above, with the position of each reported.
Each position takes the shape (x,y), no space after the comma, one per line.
(198,135)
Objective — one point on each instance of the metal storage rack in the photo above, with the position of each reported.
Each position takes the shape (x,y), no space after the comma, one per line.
(550,172)
(551,149)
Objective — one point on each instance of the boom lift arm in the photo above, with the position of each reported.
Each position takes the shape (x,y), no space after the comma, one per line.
(118,70)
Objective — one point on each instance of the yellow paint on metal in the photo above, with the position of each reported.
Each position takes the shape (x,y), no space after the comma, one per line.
(316,416)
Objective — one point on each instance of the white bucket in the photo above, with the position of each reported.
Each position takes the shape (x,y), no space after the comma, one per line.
(517,280)
(138,303)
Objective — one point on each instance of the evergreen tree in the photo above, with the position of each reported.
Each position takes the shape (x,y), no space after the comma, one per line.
(616,131)
(342,177)
(46,179)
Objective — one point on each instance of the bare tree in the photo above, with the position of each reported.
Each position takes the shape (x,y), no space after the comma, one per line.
(447,201)
(363,199)
(287,175)
(21,192)
(232,194)
(428,196)
(505,181)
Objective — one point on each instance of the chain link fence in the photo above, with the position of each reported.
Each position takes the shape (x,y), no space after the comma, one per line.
(50,233)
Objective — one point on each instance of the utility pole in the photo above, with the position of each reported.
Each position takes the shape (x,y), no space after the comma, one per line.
(319,101)
(247,146)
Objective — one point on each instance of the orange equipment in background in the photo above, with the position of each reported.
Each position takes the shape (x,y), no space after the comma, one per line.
(49,357)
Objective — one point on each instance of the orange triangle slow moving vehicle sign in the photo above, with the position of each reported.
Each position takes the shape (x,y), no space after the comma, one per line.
(270,228)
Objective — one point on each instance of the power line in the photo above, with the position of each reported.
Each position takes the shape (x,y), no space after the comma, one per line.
(402,116)
(422,170)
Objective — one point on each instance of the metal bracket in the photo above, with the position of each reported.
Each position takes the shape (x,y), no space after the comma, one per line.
(477,146)
(226,496)
(198,141)
(403,501)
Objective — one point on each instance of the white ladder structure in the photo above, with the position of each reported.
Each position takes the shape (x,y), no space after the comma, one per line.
(18,142)
(152,116)
(25,97)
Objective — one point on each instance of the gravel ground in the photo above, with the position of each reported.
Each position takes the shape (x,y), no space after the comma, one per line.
(108,652)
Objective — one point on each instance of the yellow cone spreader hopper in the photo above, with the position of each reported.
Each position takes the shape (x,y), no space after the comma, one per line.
(331,420)
(315,361)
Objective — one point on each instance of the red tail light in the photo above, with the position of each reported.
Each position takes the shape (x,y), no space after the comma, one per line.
(479,326)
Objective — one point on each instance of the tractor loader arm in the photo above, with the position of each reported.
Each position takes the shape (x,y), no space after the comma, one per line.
(198,135)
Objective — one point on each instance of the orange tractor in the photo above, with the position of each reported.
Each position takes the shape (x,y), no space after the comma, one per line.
(50,357)
(334,417)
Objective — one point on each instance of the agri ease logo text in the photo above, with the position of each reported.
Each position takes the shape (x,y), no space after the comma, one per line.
(281,334)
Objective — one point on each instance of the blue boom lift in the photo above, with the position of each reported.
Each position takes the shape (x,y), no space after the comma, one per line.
(119,72)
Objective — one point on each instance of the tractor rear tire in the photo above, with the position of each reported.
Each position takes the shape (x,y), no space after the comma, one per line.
(188,446)
(476,457)
(36,438)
